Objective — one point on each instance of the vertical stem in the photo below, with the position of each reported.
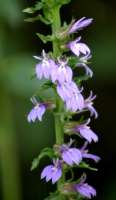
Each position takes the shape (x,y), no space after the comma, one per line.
(58,129)
(56,51)
(55,28)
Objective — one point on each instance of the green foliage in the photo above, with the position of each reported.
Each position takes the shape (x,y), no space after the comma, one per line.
(45,152)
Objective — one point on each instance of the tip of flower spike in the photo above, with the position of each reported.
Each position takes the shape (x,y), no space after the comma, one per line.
(80,24)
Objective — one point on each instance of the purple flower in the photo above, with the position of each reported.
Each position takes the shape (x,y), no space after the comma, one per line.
(78,48)
(52,172)
(75,103)
(80,24)
(61,73)
(89,105)
(85,190)
(85,132)
(91,156)
(44,68)
(83,63)
(85,153)
(71,95)
(70,155)
(63,91)
(37,112)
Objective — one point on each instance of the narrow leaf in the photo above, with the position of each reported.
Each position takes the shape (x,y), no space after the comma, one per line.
(29,10)
(45,152)
(44,38)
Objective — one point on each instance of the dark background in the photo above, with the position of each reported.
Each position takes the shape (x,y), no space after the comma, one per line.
(20,142)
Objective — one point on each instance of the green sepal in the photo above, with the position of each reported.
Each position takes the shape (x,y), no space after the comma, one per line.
(79,79)
(73,61)
(44,38)
(38,17)
(45,152)
(47,85)
(87,166)
(45,21)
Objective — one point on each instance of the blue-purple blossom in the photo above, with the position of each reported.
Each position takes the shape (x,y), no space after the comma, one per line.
(89,105)
(70,155)
(61,73)
(71,95)
(75,102)
(36,112)
(91,156)
(52,172)
(44,67)
(84,131)
(83,63)
(85,190)
(80,24)
(85,153)
(78,47)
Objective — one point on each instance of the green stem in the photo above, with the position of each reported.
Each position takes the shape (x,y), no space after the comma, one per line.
(55,28)
(58,129)
(56,52)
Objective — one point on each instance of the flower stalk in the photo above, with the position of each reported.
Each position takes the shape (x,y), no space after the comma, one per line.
(58,71)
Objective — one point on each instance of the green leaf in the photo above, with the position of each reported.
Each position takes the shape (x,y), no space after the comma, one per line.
(44,38)
(45,152)
(31,10)
(38,6)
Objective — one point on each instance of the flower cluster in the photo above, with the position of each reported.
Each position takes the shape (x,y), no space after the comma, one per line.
(60,74)
(82,188)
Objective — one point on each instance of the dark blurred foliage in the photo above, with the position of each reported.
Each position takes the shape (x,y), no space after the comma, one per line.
(20,142)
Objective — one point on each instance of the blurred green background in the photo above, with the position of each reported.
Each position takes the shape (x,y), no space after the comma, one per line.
(20,142)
